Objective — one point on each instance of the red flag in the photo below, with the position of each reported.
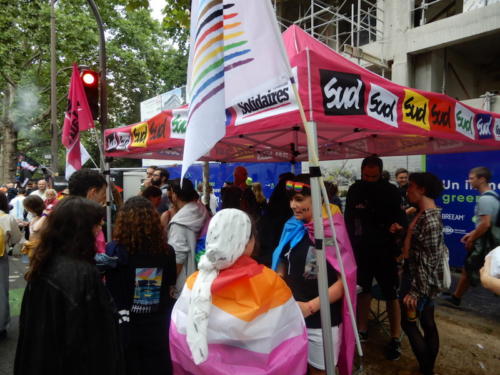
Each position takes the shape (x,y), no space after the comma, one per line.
(77,118)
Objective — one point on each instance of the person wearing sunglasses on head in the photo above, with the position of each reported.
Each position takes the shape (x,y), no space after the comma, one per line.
(295,258)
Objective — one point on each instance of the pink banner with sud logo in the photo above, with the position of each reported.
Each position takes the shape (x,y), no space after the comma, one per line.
(357,113)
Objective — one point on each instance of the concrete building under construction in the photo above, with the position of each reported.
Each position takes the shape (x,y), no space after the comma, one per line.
(445,46)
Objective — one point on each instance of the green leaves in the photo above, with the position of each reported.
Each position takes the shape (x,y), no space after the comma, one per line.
(136,4)
(143,61)
(176,21)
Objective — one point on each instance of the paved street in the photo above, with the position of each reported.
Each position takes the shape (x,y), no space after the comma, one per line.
(479,306)
(17,284)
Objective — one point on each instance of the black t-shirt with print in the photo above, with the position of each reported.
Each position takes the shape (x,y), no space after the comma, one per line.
(140,283)
(305,287)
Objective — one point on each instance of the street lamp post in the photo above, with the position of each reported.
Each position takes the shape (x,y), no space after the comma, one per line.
(103,113)
(54,144)
(103,94)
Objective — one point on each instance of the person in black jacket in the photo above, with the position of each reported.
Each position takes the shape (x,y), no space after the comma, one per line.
(271,225)
(68,322)
(373,218)
(140,285)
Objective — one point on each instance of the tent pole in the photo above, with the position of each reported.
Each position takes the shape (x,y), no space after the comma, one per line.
(312,149)
(206,192)
(109,199)
(316,200)
(320,253)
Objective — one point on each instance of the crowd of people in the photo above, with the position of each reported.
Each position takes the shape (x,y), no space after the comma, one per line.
(189,286)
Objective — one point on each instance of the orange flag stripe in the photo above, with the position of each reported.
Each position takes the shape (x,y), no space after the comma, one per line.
(248,298)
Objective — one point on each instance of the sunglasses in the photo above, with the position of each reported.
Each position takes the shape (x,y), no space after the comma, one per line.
(296,186)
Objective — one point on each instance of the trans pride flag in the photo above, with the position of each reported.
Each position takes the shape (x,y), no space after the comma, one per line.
(236,53)
(254,327)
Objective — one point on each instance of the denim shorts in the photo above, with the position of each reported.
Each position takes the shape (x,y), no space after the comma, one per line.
(422,302)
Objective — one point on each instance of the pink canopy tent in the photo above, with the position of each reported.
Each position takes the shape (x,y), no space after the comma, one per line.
(357,112)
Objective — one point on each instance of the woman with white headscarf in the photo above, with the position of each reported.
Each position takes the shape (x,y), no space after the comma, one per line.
(235,316)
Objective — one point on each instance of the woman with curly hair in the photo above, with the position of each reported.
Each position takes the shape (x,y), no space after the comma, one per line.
(68,322)
(140,285)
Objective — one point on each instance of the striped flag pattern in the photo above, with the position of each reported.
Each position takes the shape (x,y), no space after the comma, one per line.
(234,54)
(255,326)
(227,51)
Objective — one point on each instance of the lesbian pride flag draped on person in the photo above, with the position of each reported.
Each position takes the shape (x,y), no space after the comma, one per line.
(76,119)
(255,326)
(235,54)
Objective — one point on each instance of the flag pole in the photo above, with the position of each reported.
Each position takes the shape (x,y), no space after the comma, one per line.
(317,184)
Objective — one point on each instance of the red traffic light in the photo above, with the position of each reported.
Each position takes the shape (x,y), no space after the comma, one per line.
(90,78)
(90,81)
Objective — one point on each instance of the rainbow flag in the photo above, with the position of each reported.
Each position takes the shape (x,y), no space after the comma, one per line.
(254,327)
(236,53)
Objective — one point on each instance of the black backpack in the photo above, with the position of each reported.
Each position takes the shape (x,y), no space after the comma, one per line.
(494,194)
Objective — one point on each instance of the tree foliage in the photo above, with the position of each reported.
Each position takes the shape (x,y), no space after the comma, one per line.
(176,21)
(142,62)
(176,18)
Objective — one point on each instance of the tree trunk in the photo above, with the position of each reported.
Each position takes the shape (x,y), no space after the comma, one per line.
(8,141)
(9,154)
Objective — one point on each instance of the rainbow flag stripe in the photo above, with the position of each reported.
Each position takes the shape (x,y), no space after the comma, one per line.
(219,46)
(255,326)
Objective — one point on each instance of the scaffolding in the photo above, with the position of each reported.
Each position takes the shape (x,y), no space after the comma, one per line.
(427,11)
(338,24)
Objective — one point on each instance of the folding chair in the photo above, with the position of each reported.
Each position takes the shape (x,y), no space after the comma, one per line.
(380,315)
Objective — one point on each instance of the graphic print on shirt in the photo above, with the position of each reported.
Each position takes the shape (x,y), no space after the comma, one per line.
(147,290)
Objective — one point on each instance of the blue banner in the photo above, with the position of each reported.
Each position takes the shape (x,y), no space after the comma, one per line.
(265,173)
(458,199)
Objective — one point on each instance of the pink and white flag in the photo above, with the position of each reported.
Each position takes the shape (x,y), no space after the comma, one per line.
(78,117)
(236,53)
(73,156)
(255,327)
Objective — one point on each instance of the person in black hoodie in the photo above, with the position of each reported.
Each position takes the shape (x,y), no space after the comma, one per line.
(68,322)
(374,217)
(141,285)
(271,225)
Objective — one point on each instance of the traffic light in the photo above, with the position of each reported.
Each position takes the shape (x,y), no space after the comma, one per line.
(90,80)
